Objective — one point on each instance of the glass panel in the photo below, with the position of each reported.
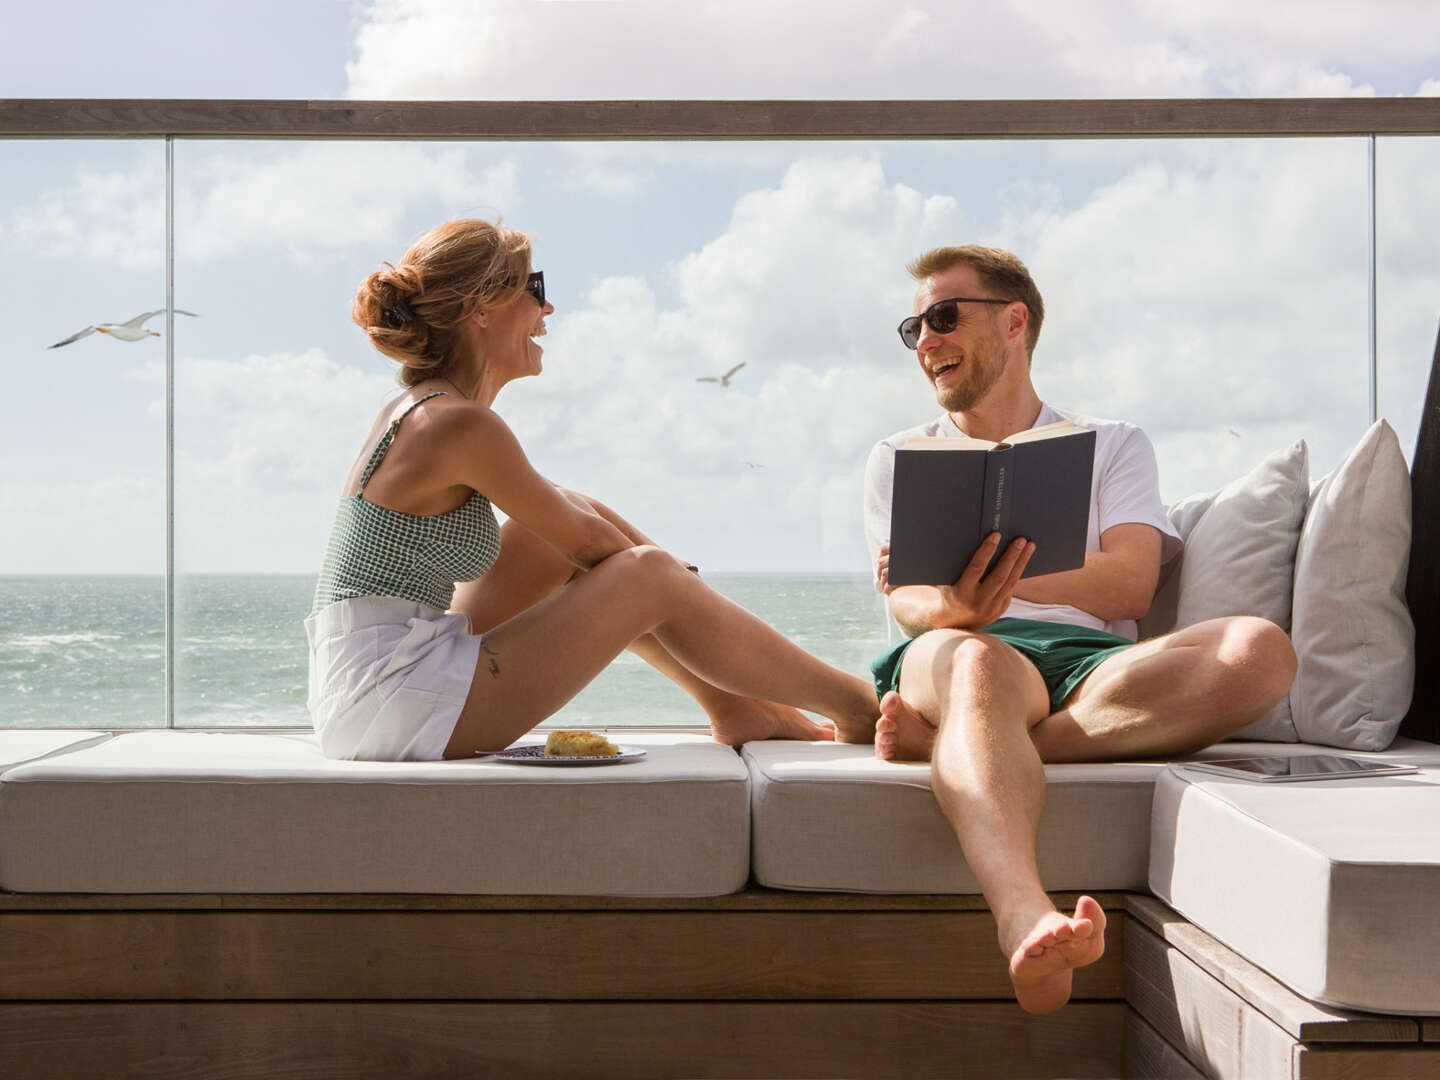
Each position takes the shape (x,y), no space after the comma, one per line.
(1213,292)
(1407,181)
(82,550)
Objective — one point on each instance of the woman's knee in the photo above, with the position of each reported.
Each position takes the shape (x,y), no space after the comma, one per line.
(645,565)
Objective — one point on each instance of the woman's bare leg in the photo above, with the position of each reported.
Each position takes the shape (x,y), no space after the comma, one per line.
(539,659)
(734,720)
(529,569)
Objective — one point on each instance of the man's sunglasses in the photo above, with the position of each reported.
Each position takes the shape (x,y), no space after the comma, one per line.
(943,316)
(535,286)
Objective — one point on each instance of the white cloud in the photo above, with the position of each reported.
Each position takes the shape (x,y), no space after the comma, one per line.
(320,199)
(263,445)
(308,201)
(1217,297)
(804,286)
(1224,292)
(116,218)
(511,49)
(98,523)
(1215,294)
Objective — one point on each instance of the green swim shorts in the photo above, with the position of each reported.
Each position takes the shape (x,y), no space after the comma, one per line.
(1063,654)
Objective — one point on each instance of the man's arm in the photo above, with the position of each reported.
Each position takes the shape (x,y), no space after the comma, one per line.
(1116,582)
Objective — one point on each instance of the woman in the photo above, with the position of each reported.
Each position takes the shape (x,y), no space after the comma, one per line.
(549,600)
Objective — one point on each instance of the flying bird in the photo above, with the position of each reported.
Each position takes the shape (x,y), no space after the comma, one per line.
(723,380)
(130,330)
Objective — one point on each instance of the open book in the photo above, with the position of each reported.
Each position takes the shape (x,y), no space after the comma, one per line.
(951,493)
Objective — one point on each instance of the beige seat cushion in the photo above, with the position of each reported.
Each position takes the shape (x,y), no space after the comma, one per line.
(1330,886)
(832,817)
(177,811)
(18,745)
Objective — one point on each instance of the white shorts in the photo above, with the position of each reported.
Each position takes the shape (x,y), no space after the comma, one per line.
(388,677)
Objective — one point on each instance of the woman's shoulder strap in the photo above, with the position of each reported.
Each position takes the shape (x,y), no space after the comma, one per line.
(385,440)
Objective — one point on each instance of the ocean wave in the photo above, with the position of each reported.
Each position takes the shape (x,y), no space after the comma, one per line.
(47,641)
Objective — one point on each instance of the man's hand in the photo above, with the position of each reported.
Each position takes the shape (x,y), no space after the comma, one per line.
(977,599)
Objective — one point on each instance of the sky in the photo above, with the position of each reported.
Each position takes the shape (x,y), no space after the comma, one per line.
(1215,292)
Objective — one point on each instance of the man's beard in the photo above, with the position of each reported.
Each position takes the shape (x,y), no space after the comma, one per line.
(983,367)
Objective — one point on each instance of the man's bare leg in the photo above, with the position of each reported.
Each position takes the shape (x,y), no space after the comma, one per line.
(1173,694)
(1162,697)
(529,570)
(990,784)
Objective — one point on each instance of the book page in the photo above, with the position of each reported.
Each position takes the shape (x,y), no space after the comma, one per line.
(947,442)
(1045,431)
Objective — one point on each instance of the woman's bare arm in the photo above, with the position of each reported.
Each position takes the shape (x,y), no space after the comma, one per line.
(485,455)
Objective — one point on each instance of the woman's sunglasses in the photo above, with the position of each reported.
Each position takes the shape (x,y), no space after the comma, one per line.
(943,316)
(535,286)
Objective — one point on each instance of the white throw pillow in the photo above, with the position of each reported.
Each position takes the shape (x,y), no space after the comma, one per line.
(1351,627)
(1239,559)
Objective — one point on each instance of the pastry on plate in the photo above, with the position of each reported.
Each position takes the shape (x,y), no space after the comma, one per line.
(579,744)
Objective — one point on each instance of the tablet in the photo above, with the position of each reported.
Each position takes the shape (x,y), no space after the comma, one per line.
(1300,767)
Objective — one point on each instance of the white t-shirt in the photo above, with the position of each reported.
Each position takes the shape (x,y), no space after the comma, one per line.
(1124,488)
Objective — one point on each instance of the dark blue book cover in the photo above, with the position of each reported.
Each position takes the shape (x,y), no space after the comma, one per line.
(950,493)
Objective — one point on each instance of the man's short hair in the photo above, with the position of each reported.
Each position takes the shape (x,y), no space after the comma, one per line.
(999,271)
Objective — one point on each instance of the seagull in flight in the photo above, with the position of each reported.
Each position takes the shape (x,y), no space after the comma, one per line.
(723,380)
(130,330)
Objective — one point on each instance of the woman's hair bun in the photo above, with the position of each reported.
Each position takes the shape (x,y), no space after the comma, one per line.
(385,309)
(413,312)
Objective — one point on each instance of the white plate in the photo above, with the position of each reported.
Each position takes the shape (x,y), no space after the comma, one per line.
(535,755)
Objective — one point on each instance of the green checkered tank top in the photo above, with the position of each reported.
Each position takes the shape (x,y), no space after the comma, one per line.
(374,551)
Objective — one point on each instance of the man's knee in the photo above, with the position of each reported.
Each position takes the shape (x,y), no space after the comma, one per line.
(1252,664)
(947,653)
(1259,658)
(956,663)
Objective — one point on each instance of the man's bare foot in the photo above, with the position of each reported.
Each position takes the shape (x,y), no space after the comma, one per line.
(1042,963)
(741,720)
(902,734)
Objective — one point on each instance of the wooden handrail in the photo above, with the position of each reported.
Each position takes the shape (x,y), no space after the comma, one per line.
(506,120)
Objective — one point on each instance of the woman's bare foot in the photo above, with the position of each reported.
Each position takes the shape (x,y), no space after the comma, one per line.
(902,734)
(1042,963)
(741,720)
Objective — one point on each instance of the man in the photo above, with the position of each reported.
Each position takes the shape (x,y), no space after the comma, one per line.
(1060,678)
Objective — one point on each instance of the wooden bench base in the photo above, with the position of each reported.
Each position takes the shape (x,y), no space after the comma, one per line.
(1198,1009)
(762,984)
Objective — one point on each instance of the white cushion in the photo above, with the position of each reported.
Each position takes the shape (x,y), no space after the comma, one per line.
(1329,886)
(1239,559)
(832,817)
(178,811)
(1351,627)
(19,745)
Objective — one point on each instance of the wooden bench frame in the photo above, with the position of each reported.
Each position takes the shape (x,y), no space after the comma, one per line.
(762,983)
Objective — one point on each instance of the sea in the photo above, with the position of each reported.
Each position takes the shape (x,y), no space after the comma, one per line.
(89,651)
